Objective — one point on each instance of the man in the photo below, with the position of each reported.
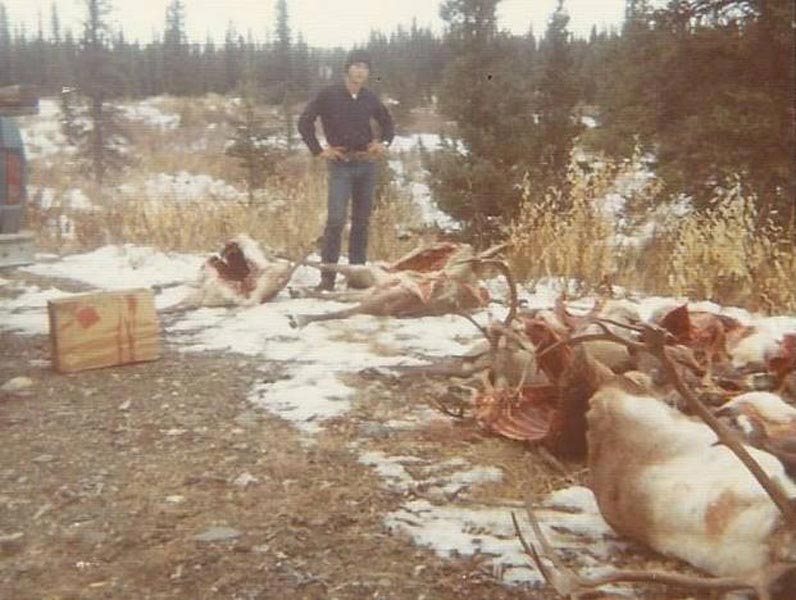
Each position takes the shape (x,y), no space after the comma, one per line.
(345,110)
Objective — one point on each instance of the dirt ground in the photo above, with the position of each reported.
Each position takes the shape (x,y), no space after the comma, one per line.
(110,475)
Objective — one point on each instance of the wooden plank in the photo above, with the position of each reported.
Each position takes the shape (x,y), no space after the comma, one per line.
(103,329)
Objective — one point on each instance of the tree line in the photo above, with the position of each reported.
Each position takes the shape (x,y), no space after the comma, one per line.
(707,87)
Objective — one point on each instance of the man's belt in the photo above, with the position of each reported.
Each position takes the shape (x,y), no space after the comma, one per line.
(358,155)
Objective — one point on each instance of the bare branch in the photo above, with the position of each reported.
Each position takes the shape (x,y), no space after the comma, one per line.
(476,324)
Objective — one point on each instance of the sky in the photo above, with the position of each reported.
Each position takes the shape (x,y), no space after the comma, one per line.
(324,24)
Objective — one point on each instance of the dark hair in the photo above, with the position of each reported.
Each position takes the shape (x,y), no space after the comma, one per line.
(357,56)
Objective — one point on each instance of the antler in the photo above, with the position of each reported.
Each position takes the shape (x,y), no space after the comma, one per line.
(488,258)
(570,584)
(654,341)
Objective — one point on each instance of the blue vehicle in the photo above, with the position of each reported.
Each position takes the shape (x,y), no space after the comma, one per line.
(16,245)
(13,177)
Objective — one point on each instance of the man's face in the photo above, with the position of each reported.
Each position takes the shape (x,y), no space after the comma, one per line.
(358,72)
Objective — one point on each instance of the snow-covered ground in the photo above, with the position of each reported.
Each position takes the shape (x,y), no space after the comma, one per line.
(150,112)
(310,390)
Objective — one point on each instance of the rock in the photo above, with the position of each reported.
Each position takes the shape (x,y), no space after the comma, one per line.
(218,534)
(244,480)
(43,458)
(248,419)
(11,543)
(17,385)
(125,405)
(374,430)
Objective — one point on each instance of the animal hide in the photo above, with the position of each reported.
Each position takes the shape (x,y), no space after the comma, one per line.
(240,275)
(661,479)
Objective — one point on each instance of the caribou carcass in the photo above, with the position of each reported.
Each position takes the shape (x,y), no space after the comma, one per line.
(711,336)
(425,259)
(661,478)
(767,423)
(539,386)
(240,274)
(441,280)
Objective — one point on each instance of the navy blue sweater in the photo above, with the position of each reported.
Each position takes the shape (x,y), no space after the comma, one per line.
(345,119)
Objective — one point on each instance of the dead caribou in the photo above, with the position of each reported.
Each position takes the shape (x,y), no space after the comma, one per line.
(425,259)
(688,487)
(442,279)
(683,483)
(240,275)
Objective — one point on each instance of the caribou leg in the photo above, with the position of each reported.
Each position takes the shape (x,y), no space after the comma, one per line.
(300,321)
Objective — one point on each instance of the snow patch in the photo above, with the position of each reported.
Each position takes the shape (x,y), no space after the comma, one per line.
(147,112)
(120,267)
(27,313)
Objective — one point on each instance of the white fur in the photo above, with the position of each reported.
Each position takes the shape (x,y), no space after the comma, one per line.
(769,406)
(251,250)
(752,350)
(212,290)
(667,467)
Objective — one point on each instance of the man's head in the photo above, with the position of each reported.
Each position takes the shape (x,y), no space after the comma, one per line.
(357,66)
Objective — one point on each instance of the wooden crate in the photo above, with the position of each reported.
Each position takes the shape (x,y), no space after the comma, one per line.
(102,329)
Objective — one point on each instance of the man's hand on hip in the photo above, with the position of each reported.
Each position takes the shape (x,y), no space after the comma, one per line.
(377,149)
(333,153)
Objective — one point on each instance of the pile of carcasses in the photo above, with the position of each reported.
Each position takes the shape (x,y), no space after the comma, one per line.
(439,279)
(587,386)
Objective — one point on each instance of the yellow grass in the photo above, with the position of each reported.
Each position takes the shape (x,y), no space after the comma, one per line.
(724,254)
(575,244)
(287,217)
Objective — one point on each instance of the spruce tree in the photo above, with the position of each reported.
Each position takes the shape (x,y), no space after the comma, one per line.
(253,143)
(100,135)
(557,94)
(175,50)
(476,177)
(232,58)
(283,66)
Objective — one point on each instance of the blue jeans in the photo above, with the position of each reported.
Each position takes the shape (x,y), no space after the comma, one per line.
(354,180)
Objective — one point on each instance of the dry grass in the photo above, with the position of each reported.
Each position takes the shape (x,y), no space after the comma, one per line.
(575,244)
(287,217)
(725,254)
(392,215)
